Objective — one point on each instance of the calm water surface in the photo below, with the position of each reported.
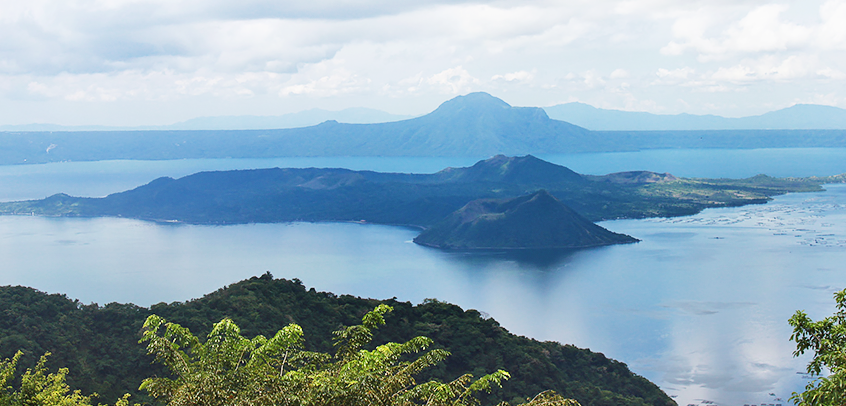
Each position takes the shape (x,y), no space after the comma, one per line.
(700,306)
(94,179)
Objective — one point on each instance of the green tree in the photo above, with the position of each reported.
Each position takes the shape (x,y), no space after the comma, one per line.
(40,388)
(229,369)
(827,340)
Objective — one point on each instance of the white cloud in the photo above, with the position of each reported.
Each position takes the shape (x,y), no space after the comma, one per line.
(593,79)
(761,29)
(680,73)
(832,31)
(771,68)
(453,81)
(325,79)
(406,55)
(519,76)
(619,73)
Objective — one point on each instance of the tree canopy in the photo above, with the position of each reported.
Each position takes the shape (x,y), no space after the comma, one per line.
(230,369)
(826,339)
(99,344)
(38,387)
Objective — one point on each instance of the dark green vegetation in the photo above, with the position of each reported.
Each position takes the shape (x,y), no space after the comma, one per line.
(281,195)
(40,387)
(230,369)
(827,340)
(475,125)
(100,346)
(536,221)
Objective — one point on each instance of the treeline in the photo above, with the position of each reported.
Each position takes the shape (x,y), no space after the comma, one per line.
(99,344)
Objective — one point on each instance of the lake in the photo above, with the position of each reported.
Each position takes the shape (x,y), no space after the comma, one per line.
(95,179)
(699,306)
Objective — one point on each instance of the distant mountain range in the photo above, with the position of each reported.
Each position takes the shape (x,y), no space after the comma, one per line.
(306,118)
(476,125)
(798,117)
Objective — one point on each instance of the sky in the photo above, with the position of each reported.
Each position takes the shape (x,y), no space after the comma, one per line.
(157,62)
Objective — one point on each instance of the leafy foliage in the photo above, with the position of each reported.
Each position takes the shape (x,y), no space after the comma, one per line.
(229,369)
(99,343)
(827,340)
(37,387)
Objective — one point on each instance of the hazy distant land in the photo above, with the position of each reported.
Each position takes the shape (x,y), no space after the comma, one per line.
(797,117)
(476,125)
(305,118)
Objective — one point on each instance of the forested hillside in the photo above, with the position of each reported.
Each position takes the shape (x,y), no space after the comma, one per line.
(99,344)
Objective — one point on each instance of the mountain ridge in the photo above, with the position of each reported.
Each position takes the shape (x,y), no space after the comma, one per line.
(796,117)
(475,125)
(304,118)
(800,116)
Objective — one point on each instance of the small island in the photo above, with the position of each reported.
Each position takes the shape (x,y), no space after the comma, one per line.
(535,221)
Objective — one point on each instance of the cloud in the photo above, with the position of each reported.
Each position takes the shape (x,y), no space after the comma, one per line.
(151,85)
(832,32)
(453,81)
(762,29)
(593,78)
(519,76)
(325,79)
(680,73)
(773,68)
(619,73)
(381,52)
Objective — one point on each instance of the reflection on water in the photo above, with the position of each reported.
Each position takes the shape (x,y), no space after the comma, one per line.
(541,259)
(699,306)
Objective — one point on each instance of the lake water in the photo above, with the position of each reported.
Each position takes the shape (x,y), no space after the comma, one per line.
(20,182)
(700,306)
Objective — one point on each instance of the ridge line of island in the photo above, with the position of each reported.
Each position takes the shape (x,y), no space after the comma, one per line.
(501,203)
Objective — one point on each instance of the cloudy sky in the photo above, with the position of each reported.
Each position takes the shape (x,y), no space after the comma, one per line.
(150,62)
